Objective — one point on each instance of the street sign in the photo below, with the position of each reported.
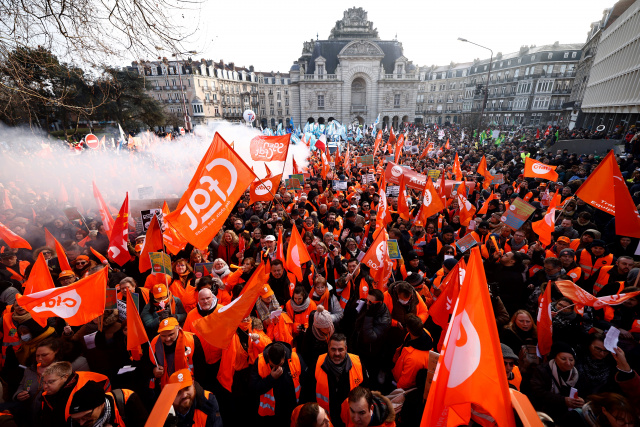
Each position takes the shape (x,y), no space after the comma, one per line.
(92,141)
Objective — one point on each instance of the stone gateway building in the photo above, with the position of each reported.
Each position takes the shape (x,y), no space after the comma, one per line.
(353,76)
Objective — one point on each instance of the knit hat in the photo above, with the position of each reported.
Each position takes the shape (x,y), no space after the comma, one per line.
(450,263)
(567,251)
(507,353)
(322,319)
(447,229)
(561,347)
(598,242)
(88,397)
(415,279)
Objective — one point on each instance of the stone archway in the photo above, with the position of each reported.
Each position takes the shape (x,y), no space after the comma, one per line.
(358,94)
(385,122)
(394,122)
(359,119)
(405,119)
(320,120)
(311,120)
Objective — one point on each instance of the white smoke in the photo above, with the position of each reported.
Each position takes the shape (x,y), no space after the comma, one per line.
(35,163)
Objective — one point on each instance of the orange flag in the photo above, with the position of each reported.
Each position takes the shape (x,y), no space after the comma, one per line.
(536,169)
(39,277)
(403,208)
(163,405)
(578,295)
(441,310)
(136,334)
(64,196)
(544,322)
(219,327)
(325,165)
(392,138)
(62,256)
(118,244)
(383,216)
(153,242)
(377,259)
(470,372)
(545,226)
(398,149)
(447,146)
(12,239)
(485,205)
(107,219)
(98,255)
(296,254)
(279,247)
(377,143)
(262,190)
(296,169)
(457,169)
(596,191)
(221,179)
(467,210)
(172,239)
(431,201)
(347,160)
(482,170)
(78,303)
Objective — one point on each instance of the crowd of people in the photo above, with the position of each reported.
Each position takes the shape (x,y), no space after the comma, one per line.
(335,347)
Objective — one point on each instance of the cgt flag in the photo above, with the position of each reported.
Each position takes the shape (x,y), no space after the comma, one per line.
(377,259)
(470,374)
(262,190)
(536,169)
(270,148)
(118,244)
(221,179)
(78,303)
(297,254)
(12,239)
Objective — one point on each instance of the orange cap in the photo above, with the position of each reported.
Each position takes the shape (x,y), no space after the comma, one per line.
(159,291)
(168,324)
(183,377)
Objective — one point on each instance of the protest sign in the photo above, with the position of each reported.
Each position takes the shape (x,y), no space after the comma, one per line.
(393,190)
(111,301)
(160,262)
(202,269)
(497,178)
(147,216)
(365,160)
(466,243)
(339,185)
(518,213)
(434,174)
(393,249)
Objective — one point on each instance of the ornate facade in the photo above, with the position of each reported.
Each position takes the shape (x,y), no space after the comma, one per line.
(353,76)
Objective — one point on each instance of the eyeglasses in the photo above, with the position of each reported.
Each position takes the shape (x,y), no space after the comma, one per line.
(449,253)
(600,349)
(81,263)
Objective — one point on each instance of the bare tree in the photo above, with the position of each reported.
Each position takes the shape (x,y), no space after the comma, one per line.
(87,33)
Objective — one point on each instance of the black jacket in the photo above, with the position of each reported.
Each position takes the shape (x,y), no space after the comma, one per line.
(208,406)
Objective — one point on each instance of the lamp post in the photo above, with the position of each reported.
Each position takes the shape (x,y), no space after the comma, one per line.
(486,91)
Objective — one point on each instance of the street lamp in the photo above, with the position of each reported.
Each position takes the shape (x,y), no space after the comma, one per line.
(486,92)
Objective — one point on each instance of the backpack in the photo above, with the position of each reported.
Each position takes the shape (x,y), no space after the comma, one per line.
(118,398)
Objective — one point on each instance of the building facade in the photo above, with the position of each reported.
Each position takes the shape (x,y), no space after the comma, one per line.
(612,95)
(441,93)
(209,91)
(526,88)
(274,100)
(353,76)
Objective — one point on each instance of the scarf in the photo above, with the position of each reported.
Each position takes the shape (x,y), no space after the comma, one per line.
(302,307)
(19,319)
(558,384)
(337,370)
(104,419)
(595,372)
(205,313)
(223,272)
(321,300)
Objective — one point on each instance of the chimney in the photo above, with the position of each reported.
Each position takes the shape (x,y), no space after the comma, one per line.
(251,68)
(232,66)
(222,63)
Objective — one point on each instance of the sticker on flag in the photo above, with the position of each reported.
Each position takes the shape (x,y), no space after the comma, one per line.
(519,212)
(393,190)
(466,243)
(160,262)
(393,249)
(203,269)
(340,185)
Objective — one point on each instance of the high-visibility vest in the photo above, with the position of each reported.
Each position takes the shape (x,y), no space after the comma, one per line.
(587,264)
(158,347)
(575,274)
(301,318)
(363,290)
(440,245)
(636,326)
(117,416)
(418,246)
(199,417)
(602,280)
(22,268)
(517,378)
(212,354)
(187,294)
(575,243)
(83,378)
(335,231)
(322,382)
(438,279)
(507,248)
(10,337)
(268,400)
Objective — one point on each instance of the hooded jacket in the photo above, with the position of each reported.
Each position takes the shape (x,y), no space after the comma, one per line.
(383,413)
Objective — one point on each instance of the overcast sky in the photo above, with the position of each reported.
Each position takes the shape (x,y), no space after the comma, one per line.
(269,35)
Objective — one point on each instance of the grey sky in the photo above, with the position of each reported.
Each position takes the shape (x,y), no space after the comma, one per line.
(269,35)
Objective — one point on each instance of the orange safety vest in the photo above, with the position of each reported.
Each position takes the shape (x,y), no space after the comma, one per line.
(346,293)
(517,378)
(335,232)
(440,245)
(438,279)
(199,417)
(189,346)
(322,383)
(22,268)
(117,417)
(300,318)
(268,400)
(212,354)
(636,326)
(575,243)
(587,265)
(418,246)
(575,274)
(10,337)
(507,248)
(188,294)
(83,378)
(602,280)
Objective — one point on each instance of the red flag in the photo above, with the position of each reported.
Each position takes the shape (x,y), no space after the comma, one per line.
(12,239)
(270,148)
(578,295)
(279,247)
(376,145)
(398,149)
(392,138)
(627,216)
(296,254)
(321,143)
(39,277)
(78,303)
(221,179)
(467,211)
(107,219)
(52,242)
(470,372)
(171,237)
(457,170)
(219,327)
(153,242)
(118,244)
(403,207)
(545,322)
(136,334)
(536,169)
(545,227)
(296,169)
(377,259)
(441,310)
(538,133)
(431,201)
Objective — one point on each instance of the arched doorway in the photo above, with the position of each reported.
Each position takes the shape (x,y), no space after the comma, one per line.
(395,122)
(264,123)
(359,119)
(311,120)
(405,119)
(320,120)
(385,122)
(273,122)
(358,94)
